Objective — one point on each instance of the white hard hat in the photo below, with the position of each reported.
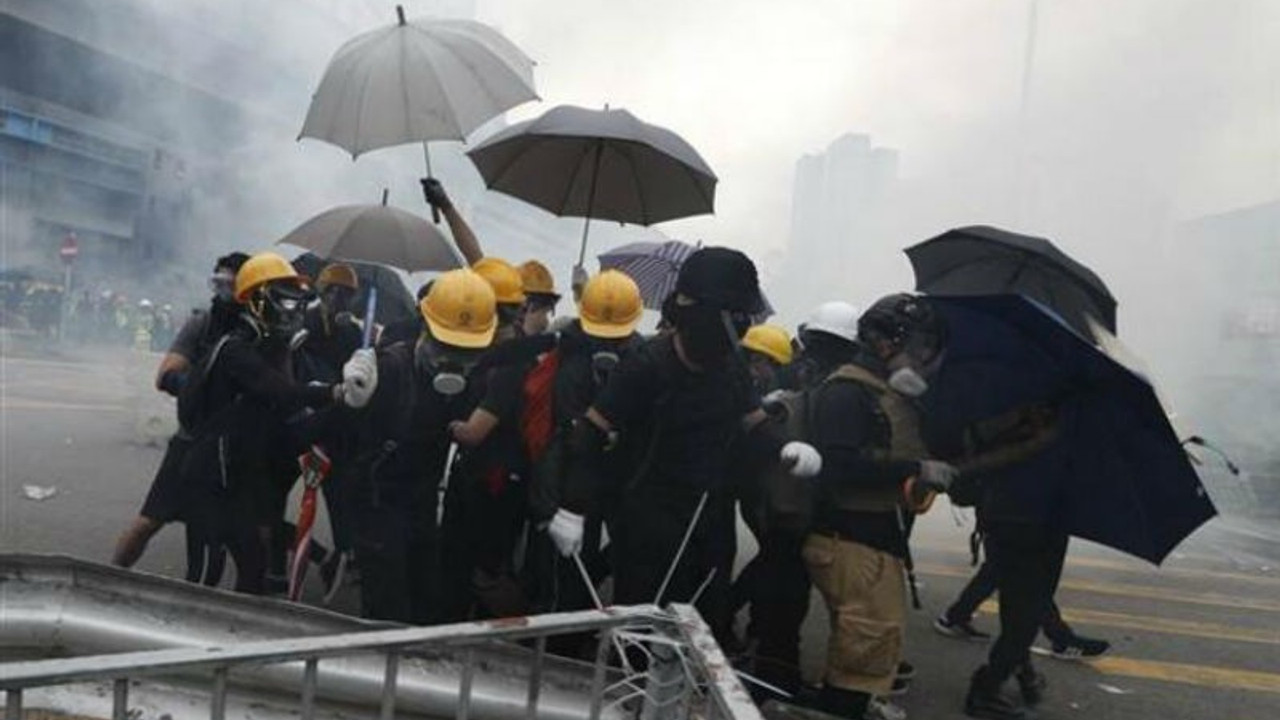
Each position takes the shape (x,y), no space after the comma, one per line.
(834,318)
(144,303)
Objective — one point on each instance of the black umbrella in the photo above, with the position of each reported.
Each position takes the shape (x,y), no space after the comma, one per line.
(394,300)
(603,164)
(983,260)
(1116,474)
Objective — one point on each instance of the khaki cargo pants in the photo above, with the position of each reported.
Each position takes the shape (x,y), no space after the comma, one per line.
(865,594)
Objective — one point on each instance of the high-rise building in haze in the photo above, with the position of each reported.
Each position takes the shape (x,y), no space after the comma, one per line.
(838,210)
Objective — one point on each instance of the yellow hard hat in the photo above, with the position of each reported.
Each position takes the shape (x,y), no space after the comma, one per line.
(610,307)
(338,274)
(261,269)
(770,341)
(505,279)
(537,279)
(461,310)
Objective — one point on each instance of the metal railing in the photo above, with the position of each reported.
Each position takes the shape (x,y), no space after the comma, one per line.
(684,675)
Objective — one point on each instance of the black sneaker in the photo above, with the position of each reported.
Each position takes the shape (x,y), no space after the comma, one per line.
(1080,648)
(985,700)
(906,671)
(959,630)
(900,687)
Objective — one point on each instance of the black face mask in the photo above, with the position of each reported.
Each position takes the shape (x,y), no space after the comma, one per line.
(709,335)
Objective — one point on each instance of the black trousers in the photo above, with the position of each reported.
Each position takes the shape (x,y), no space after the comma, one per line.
(1028,562)
(646,532)
(396,548)
(776,585)
(480,531)
(983,585)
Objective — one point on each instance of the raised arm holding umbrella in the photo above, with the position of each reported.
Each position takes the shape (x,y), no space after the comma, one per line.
(415,82)
(597,164)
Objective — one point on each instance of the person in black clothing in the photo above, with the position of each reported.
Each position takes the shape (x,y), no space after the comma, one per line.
(587,352)
(675,405)
(401,447)
(775,584)
(249,418)
(332,335)
(957,621)
(867,429)
(1024,541)
(191,346)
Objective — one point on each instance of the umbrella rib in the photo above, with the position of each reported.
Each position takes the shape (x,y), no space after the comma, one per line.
(629,154)
(598,143)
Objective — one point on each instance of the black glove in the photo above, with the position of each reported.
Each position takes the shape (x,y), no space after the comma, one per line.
(434,192)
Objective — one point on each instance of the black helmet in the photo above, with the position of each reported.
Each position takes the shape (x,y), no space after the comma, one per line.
(907,322)
(723,278)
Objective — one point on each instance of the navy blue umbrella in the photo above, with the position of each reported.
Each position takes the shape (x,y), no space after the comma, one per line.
(1118,475)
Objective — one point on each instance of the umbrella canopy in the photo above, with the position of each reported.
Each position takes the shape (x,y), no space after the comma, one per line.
(417,81)
(1117,473)
(655,266)
(982,260)
(603,164)
(395,302)
(376,234)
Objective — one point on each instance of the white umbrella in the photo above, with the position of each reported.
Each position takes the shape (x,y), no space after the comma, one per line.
(415,82)
(376,234)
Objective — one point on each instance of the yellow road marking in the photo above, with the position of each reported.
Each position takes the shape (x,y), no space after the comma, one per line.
(1137,591)
(1202,675)
(1161,625)
(1136,567)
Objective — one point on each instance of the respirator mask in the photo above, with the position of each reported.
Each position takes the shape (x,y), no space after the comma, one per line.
(448,369)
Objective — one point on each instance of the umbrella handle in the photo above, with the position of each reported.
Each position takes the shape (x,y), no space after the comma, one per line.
(371,310)
(426,157)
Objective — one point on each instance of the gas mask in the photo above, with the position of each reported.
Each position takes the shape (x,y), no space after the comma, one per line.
(280,309)
(919,359)
(448,369)
(337,301)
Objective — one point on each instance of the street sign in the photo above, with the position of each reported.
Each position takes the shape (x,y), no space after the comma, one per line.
(70,248)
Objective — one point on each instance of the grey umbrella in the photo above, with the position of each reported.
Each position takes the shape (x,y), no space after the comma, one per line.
(604,164)
(376,234)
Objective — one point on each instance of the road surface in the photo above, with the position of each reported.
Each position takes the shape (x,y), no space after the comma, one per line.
(1199,638)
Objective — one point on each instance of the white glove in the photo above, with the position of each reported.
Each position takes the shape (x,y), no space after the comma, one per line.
(359,378)
(937,475)
(566,532)
(803,459)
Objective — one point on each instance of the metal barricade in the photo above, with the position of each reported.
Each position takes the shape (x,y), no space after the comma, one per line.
(649,661)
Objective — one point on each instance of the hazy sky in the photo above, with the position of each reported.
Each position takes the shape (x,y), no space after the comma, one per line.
(1176,96)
